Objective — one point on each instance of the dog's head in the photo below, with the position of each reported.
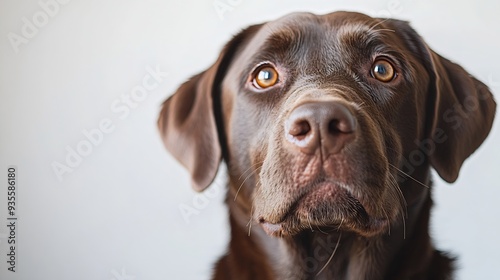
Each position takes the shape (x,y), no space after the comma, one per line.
(316,116)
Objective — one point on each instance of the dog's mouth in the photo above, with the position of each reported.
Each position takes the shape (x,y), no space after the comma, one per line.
(326,206)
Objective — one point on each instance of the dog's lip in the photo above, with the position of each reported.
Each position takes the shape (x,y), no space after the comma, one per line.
(288,224)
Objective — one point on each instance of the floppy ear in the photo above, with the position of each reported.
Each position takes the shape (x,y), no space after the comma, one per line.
(187,121)
(460,108)
(188,129)
(464,110)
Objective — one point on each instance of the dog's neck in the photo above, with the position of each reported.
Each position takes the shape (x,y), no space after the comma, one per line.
(406,251)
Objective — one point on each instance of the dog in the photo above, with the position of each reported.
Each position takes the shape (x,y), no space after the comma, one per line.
(329,126)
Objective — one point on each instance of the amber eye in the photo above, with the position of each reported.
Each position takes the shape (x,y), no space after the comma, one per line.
(383,71)
(266,76)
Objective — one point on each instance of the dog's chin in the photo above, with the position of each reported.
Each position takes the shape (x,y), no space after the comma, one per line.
(326,208)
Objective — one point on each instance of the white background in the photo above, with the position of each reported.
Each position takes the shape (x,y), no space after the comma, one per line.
(116,215)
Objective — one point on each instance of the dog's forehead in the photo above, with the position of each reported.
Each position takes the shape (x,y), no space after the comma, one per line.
(315,29)
(333,21)
(304,37)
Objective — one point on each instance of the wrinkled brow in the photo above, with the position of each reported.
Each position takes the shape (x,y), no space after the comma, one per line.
(286,40)
(362,35)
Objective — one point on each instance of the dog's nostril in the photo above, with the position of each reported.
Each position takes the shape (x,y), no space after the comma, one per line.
(345,124)
(300,128)
(334,127)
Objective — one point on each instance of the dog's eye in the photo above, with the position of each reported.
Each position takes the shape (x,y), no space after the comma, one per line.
(383,71)
(265,76)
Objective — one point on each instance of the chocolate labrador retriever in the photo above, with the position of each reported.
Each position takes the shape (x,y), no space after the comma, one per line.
(329,126)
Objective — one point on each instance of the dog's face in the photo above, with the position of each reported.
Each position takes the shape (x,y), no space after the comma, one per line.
(315,116)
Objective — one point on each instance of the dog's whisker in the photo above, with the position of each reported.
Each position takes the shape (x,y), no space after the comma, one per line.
(249,224)
(404,173)
(241,185)
(341,222)
(249,169)
(403,206)
(331,256)
(407,175)
(402,200)
(404,227)
(319,229)
(387,217)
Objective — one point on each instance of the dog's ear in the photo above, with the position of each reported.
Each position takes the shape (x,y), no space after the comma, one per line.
(187,121)
(464,111)
(460,109)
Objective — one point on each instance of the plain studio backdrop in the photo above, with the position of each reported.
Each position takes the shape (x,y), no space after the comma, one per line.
(106,205)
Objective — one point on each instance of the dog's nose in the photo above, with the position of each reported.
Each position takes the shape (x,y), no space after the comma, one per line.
(328,125)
